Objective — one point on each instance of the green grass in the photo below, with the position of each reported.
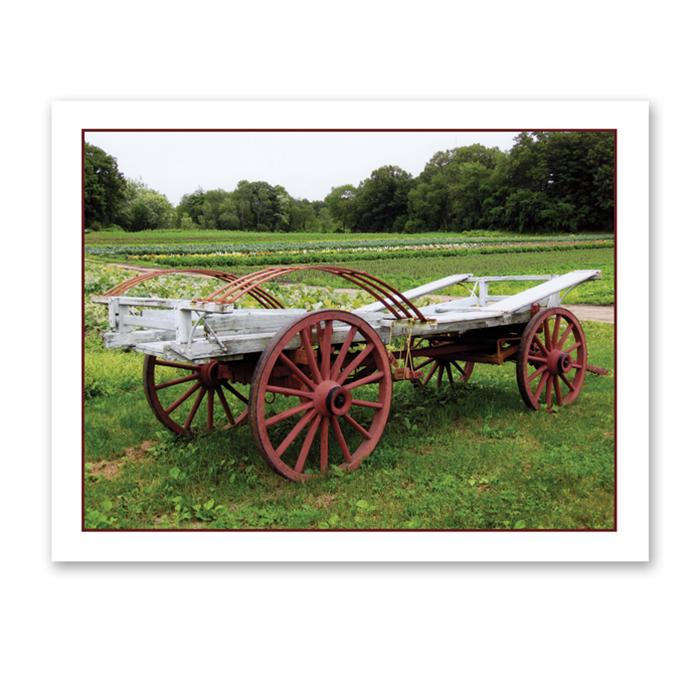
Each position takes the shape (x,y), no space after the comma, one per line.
(464,457)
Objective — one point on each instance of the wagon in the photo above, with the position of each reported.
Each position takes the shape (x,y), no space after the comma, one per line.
(316,387)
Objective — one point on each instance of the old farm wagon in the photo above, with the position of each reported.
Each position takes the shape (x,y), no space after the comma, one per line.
(320,382)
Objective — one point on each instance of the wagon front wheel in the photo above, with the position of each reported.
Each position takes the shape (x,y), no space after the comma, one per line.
(552,359)
(321,395)
(185,396)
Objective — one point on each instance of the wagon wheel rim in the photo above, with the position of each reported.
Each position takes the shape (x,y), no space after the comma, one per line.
(552,359)
(336,395)
(448,370)
(186,397)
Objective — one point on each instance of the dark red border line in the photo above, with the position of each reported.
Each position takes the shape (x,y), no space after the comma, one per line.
(339,130)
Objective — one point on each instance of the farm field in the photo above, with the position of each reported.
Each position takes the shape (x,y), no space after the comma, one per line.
(402,260)
(462,457)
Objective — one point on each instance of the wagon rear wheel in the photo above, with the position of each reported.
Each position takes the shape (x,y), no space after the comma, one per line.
(552,359)
(440,368)
(317,399)
(185,396)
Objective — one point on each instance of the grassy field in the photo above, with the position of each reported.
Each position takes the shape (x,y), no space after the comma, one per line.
(456,457)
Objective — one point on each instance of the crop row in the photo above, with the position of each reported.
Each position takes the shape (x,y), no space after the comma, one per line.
(411,242)
(310,257)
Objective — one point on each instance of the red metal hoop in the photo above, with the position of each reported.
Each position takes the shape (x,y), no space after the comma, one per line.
(264,298)
(394,301)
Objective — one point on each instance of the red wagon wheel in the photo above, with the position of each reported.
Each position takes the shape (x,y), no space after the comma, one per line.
(185,396)
(318,400)
(442,368)
(552,359)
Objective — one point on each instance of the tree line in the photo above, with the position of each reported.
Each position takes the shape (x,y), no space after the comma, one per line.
(548,181)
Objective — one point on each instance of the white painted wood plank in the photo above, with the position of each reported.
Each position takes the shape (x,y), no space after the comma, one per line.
(424,289)
(544,290)
(159,320)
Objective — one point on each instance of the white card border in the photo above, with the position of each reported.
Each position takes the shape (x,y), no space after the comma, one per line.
(630,542)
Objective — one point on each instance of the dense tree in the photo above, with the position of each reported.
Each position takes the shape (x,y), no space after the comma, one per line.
(381,203)
(548,181)
(144,208)
(341,205)
(104,188)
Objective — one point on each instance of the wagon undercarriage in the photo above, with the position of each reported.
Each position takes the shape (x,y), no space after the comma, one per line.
(316,386)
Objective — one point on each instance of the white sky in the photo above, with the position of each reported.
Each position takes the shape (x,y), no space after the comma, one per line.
(306,164)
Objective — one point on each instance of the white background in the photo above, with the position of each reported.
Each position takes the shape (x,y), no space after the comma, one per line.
(497,631)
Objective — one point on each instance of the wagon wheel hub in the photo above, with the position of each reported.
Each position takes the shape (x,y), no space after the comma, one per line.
(331,399)
(558,362)
(215,373)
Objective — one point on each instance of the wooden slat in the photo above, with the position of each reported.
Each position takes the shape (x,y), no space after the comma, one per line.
(544,290)
(416,292)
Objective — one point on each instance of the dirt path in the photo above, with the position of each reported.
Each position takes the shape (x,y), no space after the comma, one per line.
(592,312)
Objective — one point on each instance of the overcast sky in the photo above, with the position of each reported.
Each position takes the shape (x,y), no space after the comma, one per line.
(307,165)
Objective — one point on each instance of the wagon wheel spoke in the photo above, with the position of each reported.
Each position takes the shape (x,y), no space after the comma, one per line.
(566,381)
(363,431)
(367,404)
(357,360)
(183,398)
(430,374)
(548,399)
(294,433)
(340,439)
(178,365)
(323,446)
(448,369)
(288,413)
(224,404)
(555,332)
(441,369)
(461,369)
(423,364)
(573,347)
(326,350)
(306,445)
(175,382)
(531,378)
(210,409)
(195,408)
(340,360)
(565,335)
(547,335)
(557,391)
(235,392)
(540,345)
(289,391)
(370,379)
(310,355)
(541,386)
(296,371)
